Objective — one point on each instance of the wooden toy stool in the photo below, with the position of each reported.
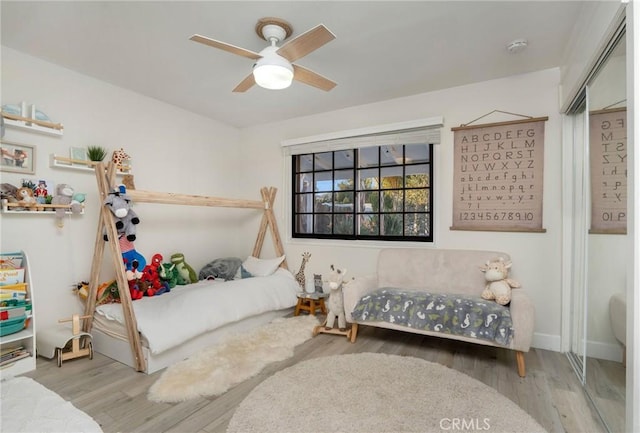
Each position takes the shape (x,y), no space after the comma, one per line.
(58,340)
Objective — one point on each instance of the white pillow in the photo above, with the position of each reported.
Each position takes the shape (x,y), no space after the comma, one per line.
(262,267)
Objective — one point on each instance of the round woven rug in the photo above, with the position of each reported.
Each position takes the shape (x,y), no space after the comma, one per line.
(374,392)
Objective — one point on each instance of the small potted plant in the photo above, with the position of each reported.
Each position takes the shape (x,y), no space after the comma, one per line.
(96,153)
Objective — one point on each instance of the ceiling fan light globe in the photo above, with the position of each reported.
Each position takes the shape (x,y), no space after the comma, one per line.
(273,72)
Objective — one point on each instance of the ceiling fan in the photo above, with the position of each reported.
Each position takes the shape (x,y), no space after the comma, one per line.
(274,67)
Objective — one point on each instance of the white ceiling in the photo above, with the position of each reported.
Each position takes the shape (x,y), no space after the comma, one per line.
(383,49)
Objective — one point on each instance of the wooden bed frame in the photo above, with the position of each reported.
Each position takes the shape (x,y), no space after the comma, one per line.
(105,176)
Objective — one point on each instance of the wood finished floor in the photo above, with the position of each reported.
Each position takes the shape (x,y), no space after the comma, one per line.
(115,395)
(606,384)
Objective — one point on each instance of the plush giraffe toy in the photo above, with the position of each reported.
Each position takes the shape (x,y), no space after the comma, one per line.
(300,274)
(120,158)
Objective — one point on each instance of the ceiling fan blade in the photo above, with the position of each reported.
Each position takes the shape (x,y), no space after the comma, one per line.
(311,78)
(225,47)
(245,84)
(307,42)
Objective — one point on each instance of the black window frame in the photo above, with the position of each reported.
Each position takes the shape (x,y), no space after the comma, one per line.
(355,213)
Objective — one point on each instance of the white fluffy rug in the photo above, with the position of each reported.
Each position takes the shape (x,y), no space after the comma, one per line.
(27,406)
(215,370)
(373,392)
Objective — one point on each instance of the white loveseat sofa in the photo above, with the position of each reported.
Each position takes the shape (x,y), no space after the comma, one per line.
(416,273)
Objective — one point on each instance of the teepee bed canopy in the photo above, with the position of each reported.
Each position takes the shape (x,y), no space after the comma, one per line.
(152,333)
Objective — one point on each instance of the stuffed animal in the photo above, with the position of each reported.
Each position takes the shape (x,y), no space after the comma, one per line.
(336,301)
(108,293)
(25,198)
(170,275)
(134,285)
(498,286)
(121,159)
(126,219)
(63,196)
(151,283)
(133,260)
(185,271)
(81,289)
(76,202)
(225,268)
(156,261)
(8,192)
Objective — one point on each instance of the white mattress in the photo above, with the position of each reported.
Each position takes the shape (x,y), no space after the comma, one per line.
(172,318)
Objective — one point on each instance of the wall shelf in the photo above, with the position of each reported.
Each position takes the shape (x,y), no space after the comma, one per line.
(47,209)
(33,125)
(56,161)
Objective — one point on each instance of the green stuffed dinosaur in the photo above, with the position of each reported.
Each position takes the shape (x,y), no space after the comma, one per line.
(185,271)
(169,273)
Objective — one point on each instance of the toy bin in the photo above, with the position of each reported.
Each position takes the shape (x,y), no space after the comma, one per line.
(11,326)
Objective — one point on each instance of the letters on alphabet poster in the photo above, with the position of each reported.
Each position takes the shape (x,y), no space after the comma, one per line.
(498,176)
(608,158)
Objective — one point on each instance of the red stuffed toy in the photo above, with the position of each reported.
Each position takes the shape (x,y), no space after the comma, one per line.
(133,276)
(152,283)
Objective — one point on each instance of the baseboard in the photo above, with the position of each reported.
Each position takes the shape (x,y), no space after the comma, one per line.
(546,342)
(606,351)
(595,349)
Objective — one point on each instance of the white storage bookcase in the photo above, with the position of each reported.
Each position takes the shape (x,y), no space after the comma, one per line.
(25,338)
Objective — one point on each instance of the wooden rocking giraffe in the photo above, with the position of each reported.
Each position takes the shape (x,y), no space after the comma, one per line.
(300,274)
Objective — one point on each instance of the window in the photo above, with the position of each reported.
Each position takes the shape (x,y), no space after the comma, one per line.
(368,192)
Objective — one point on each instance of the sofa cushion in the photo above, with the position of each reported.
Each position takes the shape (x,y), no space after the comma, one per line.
(434,270)
(447,313)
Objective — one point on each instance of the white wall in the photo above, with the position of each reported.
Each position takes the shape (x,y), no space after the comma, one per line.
(173,150)
(536,256)
(590,31)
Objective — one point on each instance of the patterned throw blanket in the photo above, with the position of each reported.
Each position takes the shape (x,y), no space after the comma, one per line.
(447,313)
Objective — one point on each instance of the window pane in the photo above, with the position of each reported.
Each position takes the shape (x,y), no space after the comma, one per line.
(416,224)
(391,224)
(416,176)
(323,181)
(368,201)
(368,157)
(391,155)
(343,180)
(368,225)
(304,163)
(391,177)
(343,224)
(303,182)
(344,159)
(304,224)
(368,178)
(322,224)
(323,161)
(416,200)
(391,201)
(376,192)
(343,202)
(323,202)
(415,153)
(304,203)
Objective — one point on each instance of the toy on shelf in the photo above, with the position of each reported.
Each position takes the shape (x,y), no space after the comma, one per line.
(65,343)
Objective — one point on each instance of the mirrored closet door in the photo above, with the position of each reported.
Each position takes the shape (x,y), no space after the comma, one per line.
(599,236)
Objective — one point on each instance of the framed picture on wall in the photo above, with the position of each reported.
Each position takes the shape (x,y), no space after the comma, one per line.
(79,154)
(17,157)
